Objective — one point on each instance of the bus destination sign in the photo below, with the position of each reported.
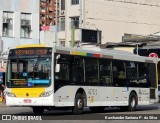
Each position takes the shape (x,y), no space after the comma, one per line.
(37,51)
(30,52)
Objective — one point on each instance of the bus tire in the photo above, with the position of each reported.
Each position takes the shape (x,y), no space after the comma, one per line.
(133,100)
(79,104)
(123,108)
(38,110)
(97,109)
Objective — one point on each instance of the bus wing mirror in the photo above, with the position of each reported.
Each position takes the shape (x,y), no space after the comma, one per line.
(57,68)
(57,65)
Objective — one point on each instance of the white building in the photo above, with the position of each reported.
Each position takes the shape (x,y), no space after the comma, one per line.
(19,25)
(19,22)
(113,17)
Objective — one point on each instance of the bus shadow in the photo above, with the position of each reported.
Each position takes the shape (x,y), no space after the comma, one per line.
(110,110)
(147,108)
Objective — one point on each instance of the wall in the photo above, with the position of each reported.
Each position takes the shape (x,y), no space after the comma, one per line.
(18,6)
(47,37)
(116,17)
(71,11)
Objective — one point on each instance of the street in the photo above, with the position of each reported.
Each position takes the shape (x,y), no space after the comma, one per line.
(87,116)
(67,115)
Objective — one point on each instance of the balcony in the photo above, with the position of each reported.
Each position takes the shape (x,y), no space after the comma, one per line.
(50,16)
(51,9)
(43,12)
(43,5)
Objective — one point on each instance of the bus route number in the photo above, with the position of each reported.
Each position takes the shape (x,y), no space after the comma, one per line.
(92,91)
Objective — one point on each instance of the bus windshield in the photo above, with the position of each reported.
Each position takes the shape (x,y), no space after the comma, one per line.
(29,72)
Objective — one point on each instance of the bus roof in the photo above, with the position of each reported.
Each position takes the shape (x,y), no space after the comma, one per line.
(105,53)
(96,52)
(31,45)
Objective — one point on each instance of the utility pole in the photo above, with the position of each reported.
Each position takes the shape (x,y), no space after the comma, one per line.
(56,25)
(72,35)
(80,21)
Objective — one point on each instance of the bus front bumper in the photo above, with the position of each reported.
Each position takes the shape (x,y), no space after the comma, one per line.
(40,101)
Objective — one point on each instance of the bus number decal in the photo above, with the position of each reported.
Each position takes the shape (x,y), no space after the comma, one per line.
(92,91)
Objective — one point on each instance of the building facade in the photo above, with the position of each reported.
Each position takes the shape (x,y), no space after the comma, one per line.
(113,17)
(48,12)
(19,25)
(48,20)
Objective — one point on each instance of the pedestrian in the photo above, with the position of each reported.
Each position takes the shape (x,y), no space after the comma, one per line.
(2,88)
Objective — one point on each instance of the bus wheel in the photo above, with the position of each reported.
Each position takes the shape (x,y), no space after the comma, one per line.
(38,110)
(124,108)
(97,109)
(132,102)
(79,104)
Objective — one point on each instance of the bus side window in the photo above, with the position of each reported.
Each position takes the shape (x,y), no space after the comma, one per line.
(152,75)
(77,68)
(132,73)
(91,71)
(119,73)
(105,72)
(143,70)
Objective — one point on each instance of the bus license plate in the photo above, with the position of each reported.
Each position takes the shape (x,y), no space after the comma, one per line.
(27,100)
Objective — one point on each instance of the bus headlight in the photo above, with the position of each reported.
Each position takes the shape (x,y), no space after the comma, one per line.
(46,94)
(10,94)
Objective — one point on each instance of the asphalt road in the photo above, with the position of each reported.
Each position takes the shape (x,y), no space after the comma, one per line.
(87,116)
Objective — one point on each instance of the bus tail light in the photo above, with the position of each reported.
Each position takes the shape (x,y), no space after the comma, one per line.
(46,94)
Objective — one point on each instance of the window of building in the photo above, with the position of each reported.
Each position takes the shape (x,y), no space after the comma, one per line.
(7,24)
(62,24)
(25,25)
(50,2)
(62,4)
(75,22)
(74,2)
(62,43)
